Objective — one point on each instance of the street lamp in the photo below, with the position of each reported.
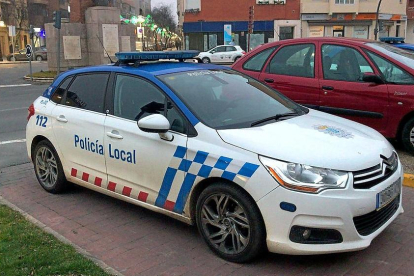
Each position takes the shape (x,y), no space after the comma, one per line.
(377,21)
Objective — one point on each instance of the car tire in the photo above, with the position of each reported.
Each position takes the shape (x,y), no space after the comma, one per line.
(48,168)
(39,58)
(205,60)
(407,136)
(236,59)
(225,230)
(12,59)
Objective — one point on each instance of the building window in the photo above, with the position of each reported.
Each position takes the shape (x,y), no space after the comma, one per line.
(344,1)
(286,32)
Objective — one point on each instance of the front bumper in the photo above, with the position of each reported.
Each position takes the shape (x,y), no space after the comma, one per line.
(331,209)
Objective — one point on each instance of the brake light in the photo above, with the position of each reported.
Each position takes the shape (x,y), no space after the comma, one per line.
(30,111)
(243,52)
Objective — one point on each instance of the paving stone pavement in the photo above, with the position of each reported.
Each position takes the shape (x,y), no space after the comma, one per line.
(136,241)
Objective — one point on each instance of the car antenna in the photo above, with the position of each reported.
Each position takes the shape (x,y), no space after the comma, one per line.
(104,49)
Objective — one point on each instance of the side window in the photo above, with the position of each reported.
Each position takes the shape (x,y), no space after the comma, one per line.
(257,62)
(88,92)
(220,49)
(60,91)
(343,63)
(177,121)
(230,49)
(136,98)
(391,72)
(294,60)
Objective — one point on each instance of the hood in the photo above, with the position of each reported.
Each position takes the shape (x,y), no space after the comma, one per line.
(315,139)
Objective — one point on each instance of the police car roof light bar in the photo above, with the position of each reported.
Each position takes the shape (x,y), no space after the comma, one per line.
(136,57)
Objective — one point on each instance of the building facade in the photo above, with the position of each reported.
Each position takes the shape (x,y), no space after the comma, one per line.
(13,13)
(205,20)
(353,18)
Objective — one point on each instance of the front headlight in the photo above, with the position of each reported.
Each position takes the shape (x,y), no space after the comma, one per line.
(304,178)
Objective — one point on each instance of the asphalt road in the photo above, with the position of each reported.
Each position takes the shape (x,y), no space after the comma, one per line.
(16,95)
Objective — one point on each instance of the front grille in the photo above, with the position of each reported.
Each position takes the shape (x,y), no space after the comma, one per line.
(367,178)
(369,223)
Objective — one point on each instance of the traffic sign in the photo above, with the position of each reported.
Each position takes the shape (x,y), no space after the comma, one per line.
(29,51)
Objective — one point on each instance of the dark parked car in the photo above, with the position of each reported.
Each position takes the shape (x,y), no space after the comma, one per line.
(39,55)
(366,81)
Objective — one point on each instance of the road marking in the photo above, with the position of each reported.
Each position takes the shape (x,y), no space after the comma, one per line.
(15,85)
(12,109)
(12,141)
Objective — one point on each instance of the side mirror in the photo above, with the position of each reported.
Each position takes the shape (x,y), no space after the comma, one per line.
(371,77)
(155,123)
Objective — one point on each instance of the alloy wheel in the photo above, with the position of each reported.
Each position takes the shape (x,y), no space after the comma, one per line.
(225,224)
(46,167)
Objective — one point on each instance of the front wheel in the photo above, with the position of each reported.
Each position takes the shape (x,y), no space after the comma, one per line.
(206,60)
(48,168)
(407,136)
(39,58)
(230,223)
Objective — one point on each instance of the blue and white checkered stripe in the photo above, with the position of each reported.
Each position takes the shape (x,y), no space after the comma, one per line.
(202,166)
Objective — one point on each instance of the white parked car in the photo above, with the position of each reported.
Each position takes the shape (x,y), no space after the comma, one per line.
(221,54)
(213,147)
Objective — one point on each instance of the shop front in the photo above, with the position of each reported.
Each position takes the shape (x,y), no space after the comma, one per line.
(202,36)
(352,25)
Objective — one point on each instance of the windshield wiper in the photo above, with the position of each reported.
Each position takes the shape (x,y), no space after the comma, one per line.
(276,118)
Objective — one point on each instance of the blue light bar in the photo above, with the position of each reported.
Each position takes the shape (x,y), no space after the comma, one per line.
(392,39)
(155,55)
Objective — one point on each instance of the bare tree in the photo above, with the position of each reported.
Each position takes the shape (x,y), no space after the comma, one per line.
(15,13)
(164,18)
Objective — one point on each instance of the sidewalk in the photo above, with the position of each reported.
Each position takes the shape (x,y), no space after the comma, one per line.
(136,241)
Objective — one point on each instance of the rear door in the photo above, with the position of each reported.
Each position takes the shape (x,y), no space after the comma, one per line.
(292,72)
(230,53)
(78,125)
(343,91)
(141,165)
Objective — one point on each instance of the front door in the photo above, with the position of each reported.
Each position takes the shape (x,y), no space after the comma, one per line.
(291,71)
(141,165)
(78,125)
(343,91)
(218,54)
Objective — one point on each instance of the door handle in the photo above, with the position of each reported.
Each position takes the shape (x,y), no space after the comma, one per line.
(114,134)
(62,118)
(327,87)
(269,80)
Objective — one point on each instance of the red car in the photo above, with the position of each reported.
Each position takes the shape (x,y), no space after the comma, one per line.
(365,81)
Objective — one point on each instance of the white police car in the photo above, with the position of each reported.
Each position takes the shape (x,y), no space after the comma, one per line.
(208,145)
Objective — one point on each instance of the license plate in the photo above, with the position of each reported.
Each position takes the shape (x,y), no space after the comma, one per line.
(388,194)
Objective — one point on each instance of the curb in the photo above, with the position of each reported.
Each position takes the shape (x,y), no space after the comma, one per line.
(47,80)
(61,238)
(408,180)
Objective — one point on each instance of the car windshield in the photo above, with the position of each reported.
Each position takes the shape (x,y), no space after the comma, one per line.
(403,56)
(225,99)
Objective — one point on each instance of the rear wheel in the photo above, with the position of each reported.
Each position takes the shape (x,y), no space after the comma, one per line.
(236,59)
(48,168)
(12,58)
(39,58)
(230,223)
(206,60)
